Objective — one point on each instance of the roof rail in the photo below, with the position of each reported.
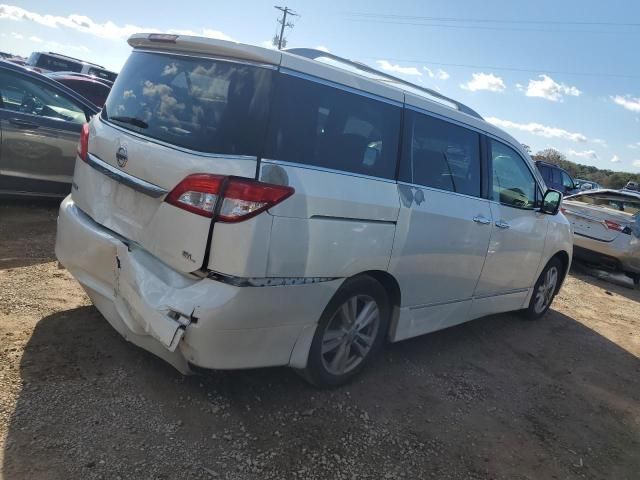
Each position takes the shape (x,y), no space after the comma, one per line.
(314,54)
(73,58)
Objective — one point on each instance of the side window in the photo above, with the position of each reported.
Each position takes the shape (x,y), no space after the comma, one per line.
(566,180)
(327,127)
(512,182)
(556,176)
(24,95)
(441,155)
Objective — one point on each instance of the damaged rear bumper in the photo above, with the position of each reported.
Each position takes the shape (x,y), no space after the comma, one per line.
(182,318)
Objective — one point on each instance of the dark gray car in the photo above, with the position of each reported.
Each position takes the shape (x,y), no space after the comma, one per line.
(40,122)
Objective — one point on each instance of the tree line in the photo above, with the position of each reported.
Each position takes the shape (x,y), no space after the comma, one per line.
(606,178)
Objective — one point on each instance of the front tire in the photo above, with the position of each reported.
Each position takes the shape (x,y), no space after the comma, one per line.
(545,290)
(349,333)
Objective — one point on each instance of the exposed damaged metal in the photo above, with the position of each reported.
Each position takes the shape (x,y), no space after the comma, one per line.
(267,281)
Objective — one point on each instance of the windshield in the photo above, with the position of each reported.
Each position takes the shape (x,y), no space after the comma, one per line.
(201,104)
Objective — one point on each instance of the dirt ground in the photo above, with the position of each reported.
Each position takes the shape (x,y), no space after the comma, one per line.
(496,398)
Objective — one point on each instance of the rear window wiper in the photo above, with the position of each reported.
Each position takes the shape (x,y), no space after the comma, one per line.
(136,122)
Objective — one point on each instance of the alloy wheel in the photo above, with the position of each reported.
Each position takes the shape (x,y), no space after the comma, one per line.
(350,334)
(545,291)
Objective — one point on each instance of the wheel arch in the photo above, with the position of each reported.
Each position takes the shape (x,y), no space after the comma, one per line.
(392,287)
(564,258)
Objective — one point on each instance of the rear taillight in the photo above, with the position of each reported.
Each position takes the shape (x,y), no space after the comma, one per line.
(617,227)
(83,144)
(241,198)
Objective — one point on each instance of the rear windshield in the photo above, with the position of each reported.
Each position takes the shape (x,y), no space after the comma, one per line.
(57,64)
(100,73)
(610,201)
(206,105)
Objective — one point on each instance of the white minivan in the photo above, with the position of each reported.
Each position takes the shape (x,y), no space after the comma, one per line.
(238,207)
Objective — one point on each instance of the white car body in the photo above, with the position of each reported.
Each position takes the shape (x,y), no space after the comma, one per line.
(606,228)
(250,294)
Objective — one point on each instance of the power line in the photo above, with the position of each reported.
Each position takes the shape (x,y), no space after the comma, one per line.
(496,28)
(279,40)
(490,20)
(512,69)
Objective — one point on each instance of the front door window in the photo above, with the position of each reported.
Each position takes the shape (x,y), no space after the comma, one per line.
(513,183)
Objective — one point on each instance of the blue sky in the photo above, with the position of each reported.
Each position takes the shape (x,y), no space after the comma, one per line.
(554,73)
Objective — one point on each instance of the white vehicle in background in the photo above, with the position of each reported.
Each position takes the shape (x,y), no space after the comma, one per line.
(606,227)
(238,207)
(583,185)
(56,62)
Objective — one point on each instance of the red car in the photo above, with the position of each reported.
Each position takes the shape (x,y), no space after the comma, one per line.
(94,90)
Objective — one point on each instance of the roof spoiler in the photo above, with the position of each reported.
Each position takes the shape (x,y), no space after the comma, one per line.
(314,54)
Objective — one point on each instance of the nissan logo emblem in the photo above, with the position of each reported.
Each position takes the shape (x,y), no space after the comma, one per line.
(122,157)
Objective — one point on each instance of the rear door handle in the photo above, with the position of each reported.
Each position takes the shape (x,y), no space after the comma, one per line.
(502,224)
(481,220)
(18,122)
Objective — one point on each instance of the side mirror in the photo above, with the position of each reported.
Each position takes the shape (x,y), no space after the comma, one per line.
(551,202)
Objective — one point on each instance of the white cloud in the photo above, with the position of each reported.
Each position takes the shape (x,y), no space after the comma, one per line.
(65,47)
(634,146)
(628,102)
(519,87)
(439,74)
(442,75)
(636,163)
(538,129)
(84,24)
(584,154)
(615,159)
(484,81)
(549,89)
(17,36)
(390,67)
(599,141)
(36,39)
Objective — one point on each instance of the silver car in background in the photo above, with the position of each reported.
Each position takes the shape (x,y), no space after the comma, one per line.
(606,225)
(40,123)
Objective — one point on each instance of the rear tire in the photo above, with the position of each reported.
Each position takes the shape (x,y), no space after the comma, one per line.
(545,290)
(350,332)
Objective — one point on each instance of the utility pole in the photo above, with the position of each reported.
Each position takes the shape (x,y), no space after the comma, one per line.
(279,40)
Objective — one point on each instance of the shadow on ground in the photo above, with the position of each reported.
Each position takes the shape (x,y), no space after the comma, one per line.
(496,398)
(615,282)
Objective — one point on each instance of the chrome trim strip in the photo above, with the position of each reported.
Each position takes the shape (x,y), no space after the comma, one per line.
(533,209)
(594,238)
(339,86)
(204,56)
(478,297)
(266,281)
(439,304)
(322,169)
(135,183)
(176,147)
(508,292)
(433,189)
(349,219)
